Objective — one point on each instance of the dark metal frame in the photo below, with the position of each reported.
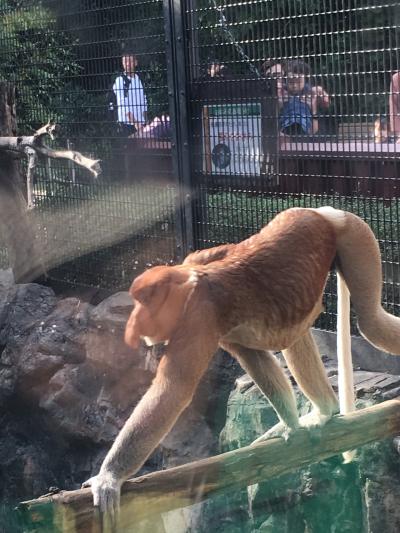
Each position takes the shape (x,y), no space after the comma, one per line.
(178,100)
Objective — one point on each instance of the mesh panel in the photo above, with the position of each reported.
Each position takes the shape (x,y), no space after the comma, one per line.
(65,59)
(289,104)
(324,77)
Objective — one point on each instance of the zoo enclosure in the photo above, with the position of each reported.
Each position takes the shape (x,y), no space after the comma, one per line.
(201,62)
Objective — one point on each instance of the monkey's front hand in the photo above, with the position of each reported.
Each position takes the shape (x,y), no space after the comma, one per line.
(106,490)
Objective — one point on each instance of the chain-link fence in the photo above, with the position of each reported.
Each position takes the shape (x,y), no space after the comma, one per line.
(232,112)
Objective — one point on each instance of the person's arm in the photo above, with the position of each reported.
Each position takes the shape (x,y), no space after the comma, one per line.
(394,108)
(281,92)
(143,101)
(118,89)
(317,98)
(323,98)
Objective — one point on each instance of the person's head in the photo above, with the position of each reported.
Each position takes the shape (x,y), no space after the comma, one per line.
(129,62)
(297,73)
(272,69)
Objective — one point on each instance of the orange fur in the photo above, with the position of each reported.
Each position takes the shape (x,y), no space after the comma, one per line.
(252,298)
(266,290)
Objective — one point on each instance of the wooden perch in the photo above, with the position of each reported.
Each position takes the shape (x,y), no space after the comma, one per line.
(33,145)
(146,496)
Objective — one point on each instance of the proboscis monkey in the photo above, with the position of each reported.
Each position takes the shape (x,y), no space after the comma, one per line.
(252,298)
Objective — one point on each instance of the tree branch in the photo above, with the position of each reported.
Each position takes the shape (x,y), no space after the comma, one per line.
(185,485)
(35,141)
(32,160)
(32,145)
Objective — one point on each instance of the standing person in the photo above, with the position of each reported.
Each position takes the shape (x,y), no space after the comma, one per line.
(130,97)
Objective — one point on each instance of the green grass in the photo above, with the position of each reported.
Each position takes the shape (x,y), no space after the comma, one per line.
(235,215)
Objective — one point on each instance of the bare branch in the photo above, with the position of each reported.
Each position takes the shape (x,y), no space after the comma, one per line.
(49,129)
(35,142)
(93,165)
(32,160)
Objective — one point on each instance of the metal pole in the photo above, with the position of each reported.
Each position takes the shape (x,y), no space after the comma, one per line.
(193,36)
(174,17)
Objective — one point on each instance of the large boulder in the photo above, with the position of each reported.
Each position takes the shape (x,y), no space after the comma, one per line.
(68,382)
(22,306)
(23,309)
(329,496)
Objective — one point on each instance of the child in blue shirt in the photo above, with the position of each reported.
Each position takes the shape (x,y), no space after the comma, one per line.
(299,101)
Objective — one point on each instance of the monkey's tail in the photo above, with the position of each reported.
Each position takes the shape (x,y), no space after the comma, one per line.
(345,365)
(360,264)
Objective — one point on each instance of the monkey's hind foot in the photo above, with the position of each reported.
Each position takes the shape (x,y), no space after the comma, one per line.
(314,420)
(279,430)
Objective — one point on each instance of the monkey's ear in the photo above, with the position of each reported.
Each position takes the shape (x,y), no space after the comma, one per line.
(153,286)
(146,293)
(149,286)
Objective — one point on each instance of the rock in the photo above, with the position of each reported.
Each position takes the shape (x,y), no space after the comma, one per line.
(214,389)
(34,457)
(182,445)
(381,498)
(43,347)
(8,374)
(22,307)
(105,344)
(379,465)
(68,382)
(97,386)
(63,332)
(113,311)
(6,279)
(329,496)
(75,413)
(84,404)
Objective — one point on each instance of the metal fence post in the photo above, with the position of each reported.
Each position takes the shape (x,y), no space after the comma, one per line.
(174,16)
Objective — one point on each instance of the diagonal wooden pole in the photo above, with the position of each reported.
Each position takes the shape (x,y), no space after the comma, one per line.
(146,496)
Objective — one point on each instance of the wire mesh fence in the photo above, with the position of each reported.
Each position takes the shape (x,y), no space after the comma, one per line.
(67,62)
(322,80)
(284,104)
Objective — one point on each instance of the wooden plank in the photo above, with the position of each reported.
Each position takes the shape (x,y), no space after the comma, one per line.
(369,381)
(352,149)
(72,512)
(356,130)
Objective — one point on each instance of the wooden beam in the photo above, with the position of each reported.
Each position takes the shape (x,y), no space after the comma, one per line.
(146,496)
